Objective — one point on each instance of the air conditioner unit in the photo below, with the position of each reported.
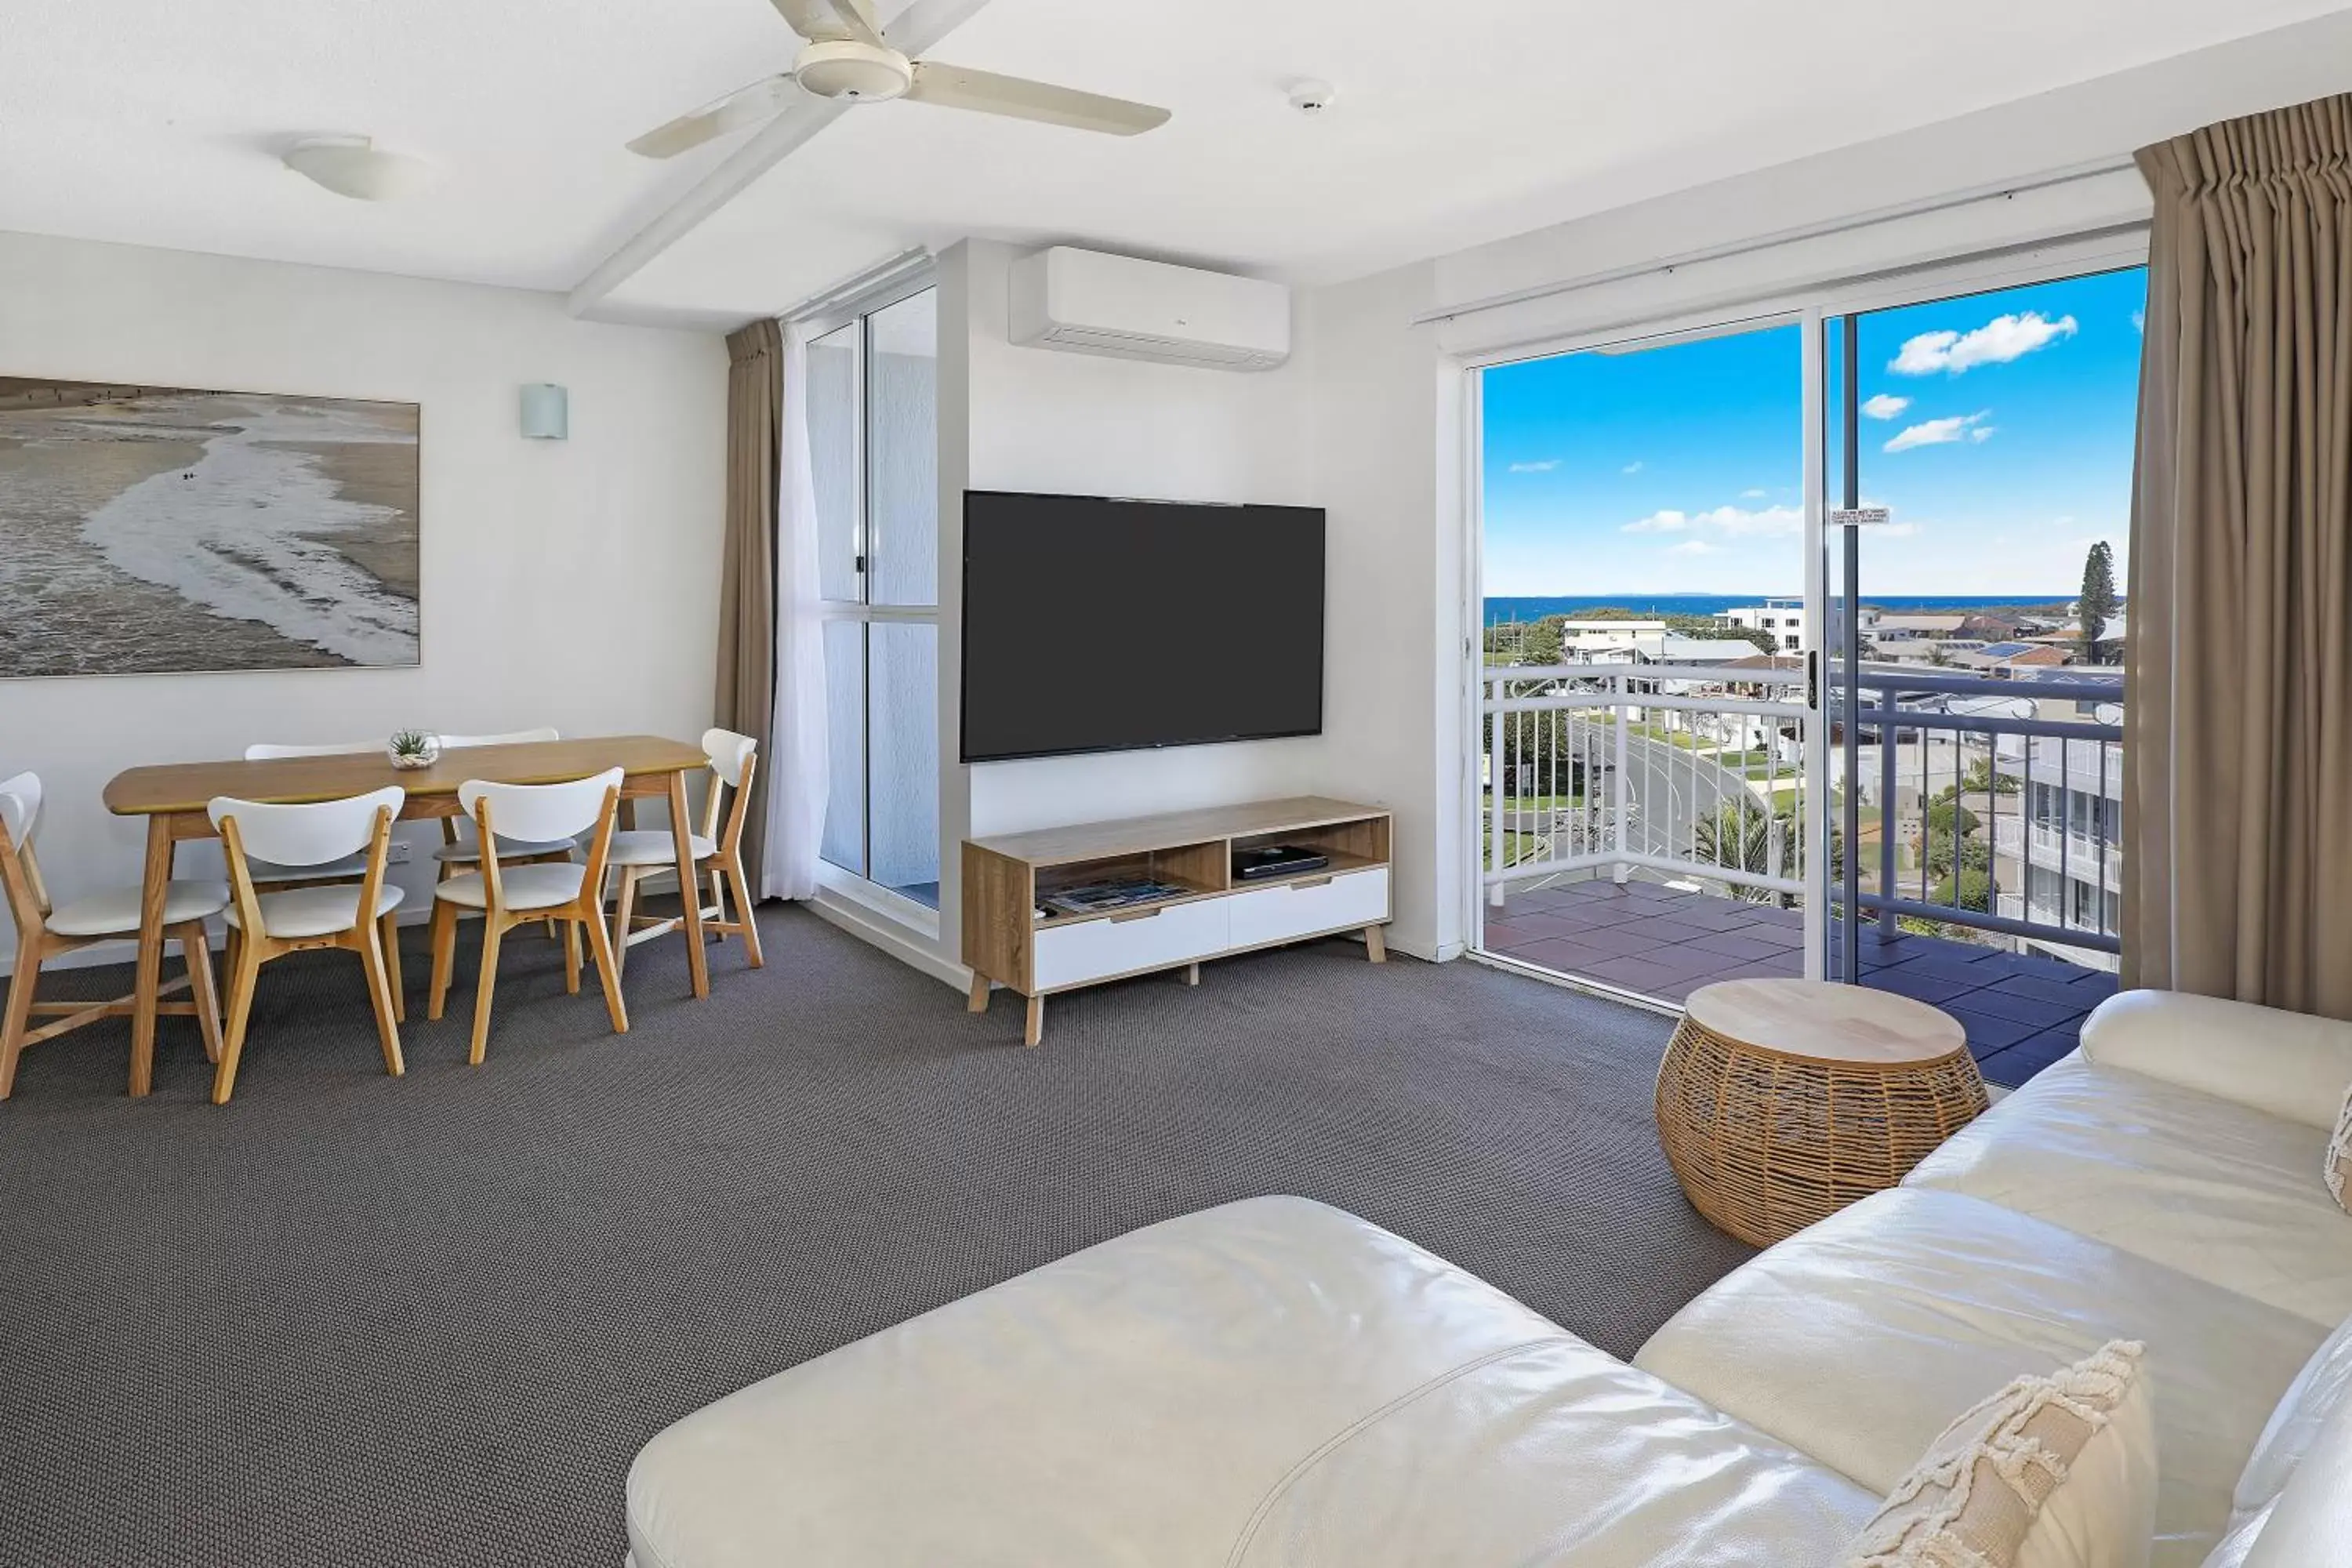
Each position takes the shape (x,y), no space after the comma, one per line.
(1088,302)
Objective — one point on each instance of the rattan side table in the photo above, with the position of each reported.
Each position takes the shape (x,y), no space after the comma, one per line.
(1781,1101)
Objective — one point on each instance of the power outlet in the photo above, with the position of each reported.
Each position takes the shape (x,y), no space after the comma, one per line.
(396,854)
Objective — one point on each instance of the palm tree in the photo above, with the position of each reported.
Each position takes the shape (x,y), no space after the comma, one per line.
(1743,836)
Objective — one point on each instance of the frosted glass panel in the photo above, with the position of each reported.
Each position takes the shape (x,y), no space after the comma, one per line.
(845,698)
(903,792)
(902,452)
(832,459)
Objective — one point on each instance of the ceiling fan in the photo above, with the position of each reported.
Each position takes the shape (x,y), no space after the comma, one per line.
(847,58)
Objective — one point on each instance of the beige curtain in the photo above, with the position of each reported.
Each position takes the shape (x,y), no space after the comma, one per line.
(2238,771)
(747,589)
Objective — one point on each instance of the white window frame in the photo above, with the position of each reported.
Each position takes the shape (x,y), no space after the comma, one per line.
(859,311)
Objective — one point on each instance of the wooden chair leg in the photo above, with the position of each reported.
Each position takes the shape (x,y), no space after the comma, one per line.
(196,953)
(388,932)
(240,1013)
(718,896)
(493,927)
(745,912)
(444,949)
(370,938)
(624,907)
(608,969)
(19,1015)
(572,955)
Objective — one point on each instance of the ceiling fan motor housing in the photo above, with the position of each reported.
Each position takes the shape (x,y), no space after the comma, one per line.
(846,69)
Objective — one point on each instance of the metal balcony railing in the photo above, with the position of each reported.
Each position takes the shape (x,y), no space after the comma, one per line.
(1698,772)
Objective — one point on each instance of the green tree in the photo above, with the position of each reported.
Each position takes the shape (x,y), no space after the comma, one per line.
(1974,892)
(1980,779)
(2095,607)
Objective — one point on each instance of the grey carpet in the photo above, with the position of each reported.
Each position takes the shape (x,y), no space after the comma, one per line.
(352,1320)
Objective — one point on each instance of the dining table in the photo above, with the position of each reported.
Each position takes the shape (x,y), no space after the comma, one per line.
(174,797)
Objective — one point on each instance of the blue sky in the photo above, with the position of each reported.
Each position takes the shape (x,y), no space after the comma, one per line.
(1998,430)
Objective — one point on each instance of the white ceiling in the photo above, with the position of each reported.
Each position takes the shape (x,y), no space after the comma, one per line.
(158,123)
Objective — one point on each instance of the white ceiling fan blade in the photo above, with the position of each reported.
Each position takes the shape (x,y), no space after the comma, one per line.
(918,29)
(739,109)
(830,21)
(957,87)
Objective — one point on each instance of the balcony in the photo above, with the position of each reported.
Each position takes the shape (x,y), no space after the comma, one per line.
(1643,829)
(2022,1011)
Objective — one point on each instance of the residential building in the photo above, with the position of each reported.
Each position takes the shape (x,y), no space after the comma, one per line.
(1784,620)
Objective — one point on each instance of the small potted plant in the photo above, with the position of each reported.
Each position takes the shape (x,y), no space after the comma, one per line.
(413,748)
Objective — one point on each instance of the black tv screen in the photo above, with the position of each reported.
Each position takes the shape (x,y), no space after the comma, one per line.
(1092,625)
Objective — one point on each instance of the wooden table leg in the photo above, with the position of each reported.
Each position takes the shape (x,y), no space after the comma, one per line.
(977,1001)
(1034,1026)
(689,892)
(151,887)
(1376,944)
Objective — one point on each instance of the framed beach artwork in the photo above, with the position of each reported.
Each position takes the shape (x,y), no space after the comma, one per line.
(151,530)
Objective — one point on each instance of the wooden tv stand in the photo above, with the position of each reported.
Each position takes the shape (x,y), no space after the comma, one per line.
(1004,878)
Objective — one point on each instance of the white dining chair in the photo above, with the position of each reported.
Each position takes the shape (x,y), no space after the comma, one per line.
(639,853)
(458,851)
(43,931)
(266,925)
(509,895)
(348,869)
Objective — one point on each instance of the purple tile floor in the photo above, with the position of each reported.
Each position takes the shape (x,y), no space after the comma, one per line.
(2023,1011)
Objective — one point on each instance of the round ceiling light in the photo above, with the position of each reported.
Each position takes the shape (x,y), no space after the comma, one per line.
(354,166)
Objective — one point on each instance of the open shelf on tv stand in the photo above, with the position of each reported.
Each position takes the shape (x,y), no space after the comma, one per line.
(1005,942)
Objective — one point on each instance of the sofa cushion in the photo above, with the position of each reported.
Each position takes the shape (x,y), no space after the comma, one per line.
(2310,1524)
(1855,1340)
(1272,1380)
(2056,1470)
(2210,1187)
(2318,1391)
(1556,1453)
(2292,1066)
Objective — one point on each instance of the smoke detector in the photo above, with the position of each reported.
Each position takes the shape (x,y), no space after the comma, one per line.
(1310,97)
(356,167)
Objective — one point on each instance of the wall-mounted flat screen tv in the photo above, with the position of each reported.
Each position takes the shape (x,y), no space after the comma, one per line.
(1094,625)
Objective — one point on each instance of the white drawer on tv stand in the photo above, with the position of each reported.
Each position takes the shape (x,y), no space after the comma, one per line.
(1065,956)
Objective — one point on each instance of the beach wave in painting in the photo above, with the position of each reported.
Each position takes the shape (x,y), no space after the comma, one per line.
(158,528)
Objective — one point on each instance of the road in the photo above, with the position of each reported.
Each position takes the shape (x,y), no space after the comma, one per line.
(1670,797)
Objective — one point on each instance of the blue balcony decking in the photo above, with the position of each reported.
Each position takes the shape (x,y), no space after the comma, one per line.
(2022,1011)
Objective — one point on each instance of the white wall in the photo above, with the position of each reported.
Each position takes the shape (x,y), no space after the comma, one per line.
(1387,419)
(573,583)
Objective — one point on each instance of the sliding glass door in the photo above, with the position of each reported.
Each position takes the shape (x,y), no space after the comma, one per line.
(873,433)
(1802,649)
(1644,692)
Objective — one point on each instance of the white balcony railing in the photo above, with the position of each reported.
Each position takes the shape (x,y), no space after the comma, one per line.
(1693,770)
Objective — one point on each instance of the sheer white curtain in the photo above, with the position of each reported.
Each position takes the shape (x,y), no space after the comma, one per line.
(797,783)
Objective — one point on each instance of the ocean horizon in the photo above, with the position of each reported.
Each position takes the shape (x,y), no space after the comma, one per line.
(1503,609)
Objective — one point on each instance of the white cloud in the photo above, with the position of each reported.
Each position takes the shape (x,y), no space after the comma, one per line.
(1885,405)
(1731,521)
(1753,495)
(1981,432)
(1998,341)
(1938,432)
(1632,467)
(1547,465)
(2139,320)
(1695,547)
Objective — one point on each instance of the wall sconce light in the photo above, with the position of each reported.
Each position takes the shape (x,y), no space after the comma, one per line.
(546,413)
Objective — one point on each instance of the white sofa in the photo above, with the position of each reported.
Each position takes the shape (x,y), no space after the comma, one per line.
(1276,1382)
